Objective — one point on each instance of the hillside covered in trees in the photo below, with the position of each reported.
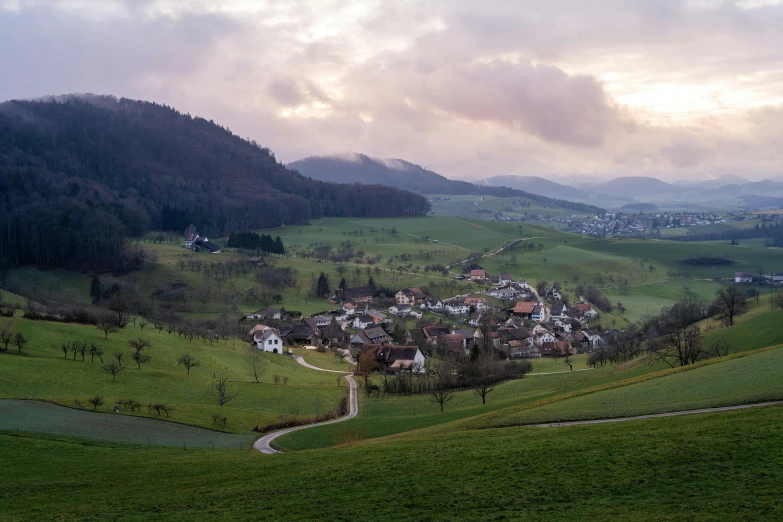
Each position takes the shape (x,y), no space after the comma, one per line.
(80,173)
(358,168)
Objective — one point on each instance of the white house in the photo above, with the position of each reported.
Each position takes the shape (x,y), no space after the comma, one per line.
(553,294)
(539,312)
(506,292)
(360,322)
(545,337)
(432,303)
(269,341)
(523,285)
(269,313)
(456,306)
(478,302)
(743,277)
(348,309)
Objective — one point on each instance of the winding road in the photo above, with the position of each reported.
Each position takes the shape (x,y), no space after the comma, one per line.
(264,444)
(656,415)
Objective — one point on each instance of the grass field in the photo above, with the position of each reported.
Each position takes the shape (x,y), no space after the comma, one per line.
(726,466)
(738,380)
(761,329)
(42,372)
(44,417)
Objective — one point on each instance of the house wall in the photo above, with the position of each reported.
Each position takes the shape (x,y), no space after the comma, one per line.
(273,344)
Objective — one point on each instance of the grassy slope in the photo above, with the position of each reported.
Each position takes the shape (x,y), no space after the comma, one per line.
(757,331)
(717,382)
(43,373)
(726,466)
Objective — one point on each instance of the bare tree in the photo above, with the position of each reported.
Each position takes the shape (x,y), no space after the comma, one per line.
(107,327)
(483,382)
(6,335)
(731,302)
(721,348)
(188,361)
(119,356)
(140,358)
(96,401)
(113,368)
(777,300)
(96,351)
(221,391)
(255,362)
(19,341)
(142,323)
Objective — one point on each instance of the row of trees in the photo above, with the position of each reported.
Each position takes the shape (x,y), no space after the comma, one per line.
(253,241)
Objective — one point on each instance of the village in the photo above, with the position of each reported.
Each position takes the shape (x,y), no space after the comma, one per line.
(511,320)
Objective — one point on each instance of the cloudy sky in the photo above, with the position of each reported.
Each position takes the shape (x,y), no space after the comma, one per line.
(679,89)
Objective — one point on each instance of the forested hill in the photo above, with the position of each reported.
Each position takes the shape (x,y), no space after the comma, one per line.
(78,173)
(358,168)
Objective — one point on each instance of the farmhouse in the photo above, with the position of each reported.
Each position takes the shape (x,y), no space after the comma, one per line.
(409,296)
(268,340)
(360,294)
(372,335)
(391,358)
(478,275)
(743,277)
(479,303)
(456,306)
(523,309)
(504,279)
(432,303)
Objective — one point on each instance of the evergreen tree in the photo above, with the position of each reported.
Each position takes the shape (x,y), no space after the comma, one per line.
(342,284)
(279,248)
(322,287)
(95,289)
(371,284)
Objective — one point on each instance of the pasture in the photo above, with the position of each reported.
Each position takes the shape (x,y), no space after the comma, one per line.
(722,466)
(741,379)
(44,372)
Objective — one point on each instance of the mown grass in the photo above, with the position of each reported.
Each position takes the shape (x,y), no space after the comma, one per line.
(724,466)
(736,380)
(42,372)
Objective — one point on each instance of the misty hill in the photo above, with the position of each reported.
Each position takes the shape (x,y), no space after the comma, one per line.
(633,186)
(79,173)
(358,168)
(537,185)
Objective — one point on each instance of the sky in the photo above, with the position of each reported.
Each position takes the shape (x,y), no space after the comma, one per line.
(564,89)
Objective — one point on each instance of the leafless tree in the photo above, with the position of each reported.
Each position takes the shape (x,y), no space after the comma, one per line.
(107,327)
(731,302)
(777,300)
(6,335)
(96,401)
(188,361)
(142,323)
(19,341)
(221,392)
(113,368)
(255,362)
(721,347)
(119,356)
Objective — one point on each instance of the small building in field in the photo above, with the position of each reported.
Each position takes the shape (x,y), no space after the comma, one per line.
(743,277)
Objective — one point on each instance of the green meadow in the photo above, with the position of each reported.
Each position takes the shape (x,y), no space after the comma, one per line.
(42,371)
(723,466)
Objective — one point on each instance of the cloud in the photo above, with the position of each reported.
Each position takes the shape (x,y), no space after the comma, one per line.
(679,88)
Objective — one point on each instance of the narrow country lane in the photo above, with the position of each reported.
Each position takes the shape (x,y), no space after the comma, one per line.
(264,444)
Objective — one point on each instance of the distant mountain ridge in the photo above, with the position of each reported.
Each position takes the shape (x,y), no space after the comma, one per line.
(359,168)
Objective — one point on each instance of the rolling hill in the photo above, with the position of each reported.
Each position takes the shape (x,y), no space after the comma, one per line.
(537,185)
(358,168)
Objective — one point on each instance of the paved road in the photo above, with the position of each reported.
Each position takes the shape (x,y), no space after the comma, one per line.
(264,444)
(657,415)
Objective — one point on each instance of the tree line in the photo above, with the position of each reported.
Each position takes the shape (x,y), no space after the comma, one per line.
(253,241)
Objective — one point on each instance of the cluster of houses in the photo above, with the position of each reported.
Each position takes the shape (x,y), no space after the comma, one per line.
(775,278)
(633,223)
(533,327)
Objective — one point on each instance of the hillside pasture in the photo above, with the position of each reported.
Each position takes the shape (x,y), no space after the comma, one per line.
(741,379)
(44,372)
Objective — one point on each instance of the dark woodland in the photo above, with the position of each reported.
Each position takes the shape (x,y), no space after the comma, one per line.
(79,174)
